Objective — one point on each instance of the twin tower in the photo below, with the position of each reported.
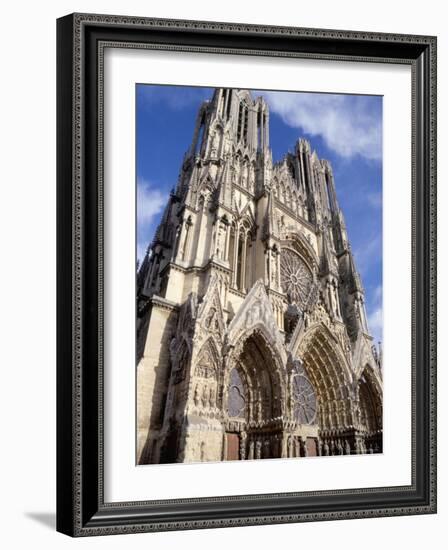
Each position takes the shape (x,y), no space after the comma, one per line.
(252,336)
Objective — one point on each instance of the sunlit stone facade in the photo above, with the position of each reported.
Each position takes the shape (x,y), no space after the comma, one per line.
(252,336)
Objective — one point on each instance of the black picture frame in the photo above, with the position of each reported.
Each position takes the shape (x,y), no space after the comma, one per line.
(81,510)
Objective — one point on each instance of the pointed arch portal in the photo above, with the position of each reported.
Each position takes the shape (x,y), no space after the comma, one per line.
(253,400)
(349,413)
(370,410)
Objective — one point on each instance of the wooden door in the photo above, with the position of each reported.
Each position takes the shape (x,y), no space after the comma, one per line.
(311,447)
(233,447)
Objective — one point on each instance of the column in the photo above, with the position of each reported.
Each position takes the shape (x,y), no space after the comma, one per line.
(235,255)
(266,130)
(176,243)
(268,265)
(226,255)
(330,296)
(278,271)
(243,263)
(186,249)
(226,101)
(221,101)
(181,247)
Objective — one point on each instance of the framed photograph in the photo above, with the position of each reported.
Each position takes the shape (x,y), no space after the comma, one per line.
(246,274)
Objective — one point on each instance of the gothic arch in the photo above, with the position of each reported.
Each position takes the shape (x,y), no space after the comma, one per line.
(370,401)
(204,192)
(330,376)
(297,242)
(208,356)
(205,382)
(255,314)
(260,368)
(247,218)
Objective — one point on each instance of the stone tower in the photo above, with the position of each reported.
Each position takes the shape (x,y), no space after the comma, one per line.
(252,336)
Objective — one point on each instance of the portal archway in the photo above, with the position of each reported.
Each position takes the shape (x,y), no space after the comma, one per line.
(370,410)
(331,378)
(253,401)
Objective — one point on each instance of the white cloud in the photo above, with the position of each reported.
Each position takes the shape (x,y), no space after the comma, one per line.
(347,124)
(376,323)
(375,318)
(150,201)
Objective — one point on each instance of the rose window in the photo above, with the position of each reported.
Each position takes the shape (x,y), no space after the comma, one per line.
(296,279)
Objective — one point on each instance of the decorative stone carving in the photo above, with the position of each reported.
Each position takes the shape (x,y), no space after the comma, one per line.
(256,311)
(237,400)
(304,398)
(210,318)
(295,277)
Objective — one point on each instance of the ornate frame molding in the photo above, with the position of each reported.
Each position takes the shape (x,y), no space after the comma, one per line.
(81,510)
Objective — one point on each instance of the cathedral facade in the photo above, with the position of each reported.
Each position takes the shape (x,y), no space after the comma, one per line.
(252,335)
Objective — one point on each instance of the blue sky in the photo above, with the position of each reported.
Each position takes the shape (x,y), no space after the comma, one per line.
(344,129)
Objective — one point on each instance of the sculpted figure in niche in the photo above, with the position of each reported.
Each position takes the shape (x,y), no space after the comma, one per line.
(290,447)
(274,268)
(258,445)
(212,397)
(220,241)
(347,447)
(244,174)
(196,396)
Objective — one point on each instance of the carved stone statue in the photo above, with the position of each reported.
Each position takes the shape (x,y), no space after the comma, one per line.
(258,446)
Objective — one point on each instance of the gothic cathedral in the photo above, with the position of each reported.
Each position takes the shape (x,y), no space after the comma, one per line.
(252,337)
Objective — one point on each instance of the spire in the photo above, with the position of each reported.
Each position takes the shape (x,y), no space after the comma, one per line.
(329,182)
(192,186)
(327,262)
(355,280)
(222,185)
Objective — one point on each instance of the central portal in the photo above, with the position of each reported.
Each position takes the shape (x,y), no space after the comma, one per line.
(254,403)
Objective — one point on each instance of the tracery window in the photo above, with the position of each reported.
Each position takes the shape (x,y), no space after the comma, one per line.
(236,402)
(295,277)
(304,400)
